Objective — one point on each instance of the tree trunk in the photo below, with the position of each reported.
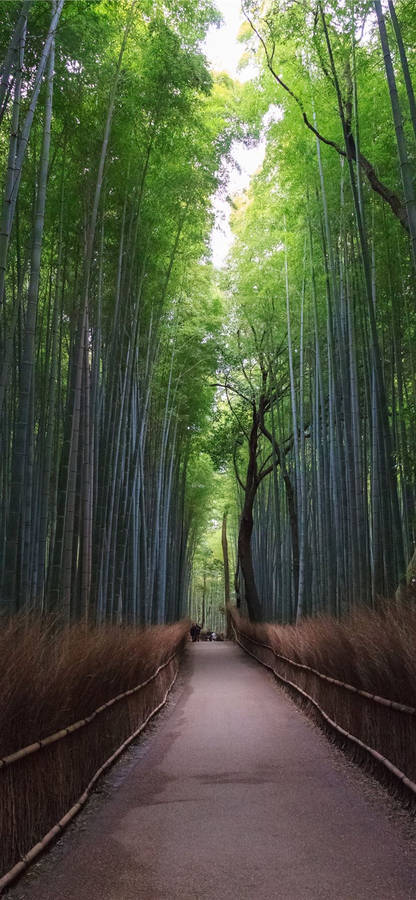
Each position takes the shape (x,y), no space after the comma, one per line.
(246,526)
(405,65)
(24,426)
(227,592)
(12,190)
(405,165)
(204,595)
(11,61)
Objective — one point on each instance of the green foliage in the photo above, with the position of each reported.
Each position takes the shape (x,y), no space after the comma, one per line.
(154,312)
(299,261)
(145,364)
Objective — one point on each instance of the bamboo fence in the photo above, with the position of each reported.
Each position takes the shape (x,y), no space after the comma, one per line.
(44,785)
(382,728)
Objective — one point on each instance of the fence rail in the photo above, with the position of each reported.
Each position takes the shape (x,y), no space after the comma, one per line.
(64,732)
(383,701)
(384,729)
(41,793)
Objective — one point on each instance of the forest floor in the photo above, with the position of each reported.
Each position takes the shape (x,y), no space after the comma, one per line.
(232,795)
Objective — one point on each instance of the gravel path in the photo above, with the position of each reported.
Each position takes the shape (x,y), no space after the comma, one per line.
(234,794)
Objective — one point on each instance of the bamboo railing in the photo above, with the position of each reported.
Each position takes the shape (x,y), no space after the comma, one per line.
(384,729)
(45,784)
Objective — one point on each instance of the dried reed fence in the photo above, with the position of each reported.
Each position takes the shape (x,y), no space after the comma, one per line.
(44,784)
(384,729)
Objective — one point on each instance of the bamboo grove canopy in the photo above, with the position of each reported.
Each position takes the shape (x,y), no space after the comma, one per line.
(112,138)
(145,396)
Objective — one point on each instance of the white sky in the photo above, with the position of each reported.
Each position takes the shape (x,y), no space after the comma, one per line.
(221,45)
(223,52)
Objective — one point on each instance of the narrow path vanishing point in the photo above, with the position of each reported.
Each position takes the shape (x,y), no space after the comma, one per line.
(236,795)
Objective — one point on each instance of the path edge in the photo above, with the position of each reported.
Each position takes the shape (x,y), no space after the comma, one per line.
(390,774)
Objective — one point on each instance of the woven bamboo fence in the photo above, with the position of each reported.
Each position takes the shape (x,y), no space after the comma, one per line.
(382,728)
(44,785)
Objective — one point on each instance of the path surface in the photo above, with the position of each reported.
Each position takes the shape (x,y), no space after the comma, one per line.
(235,795)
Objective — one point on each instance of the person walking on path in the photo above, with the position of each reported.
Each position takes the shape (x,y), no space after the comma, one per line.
(195,631)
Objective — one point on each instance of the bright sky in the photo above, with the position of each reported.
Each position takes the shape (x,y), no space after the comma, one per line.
(221,45)
(223,52)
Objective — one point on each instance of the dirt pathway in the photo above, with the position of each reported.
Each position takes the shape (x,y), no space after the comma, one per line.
(235,795)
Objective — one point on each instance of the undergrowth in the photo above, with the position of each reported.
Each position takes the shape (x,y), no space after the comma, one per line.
(372,649)
(51,678)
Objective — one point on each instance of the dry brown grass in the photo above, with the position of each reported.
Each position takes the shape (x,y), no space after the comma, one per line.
(49,679)
(374,650)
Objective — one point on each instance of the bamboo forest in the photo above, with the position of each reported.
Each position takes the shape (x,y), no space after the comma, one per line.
(207,372)
(137,381)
